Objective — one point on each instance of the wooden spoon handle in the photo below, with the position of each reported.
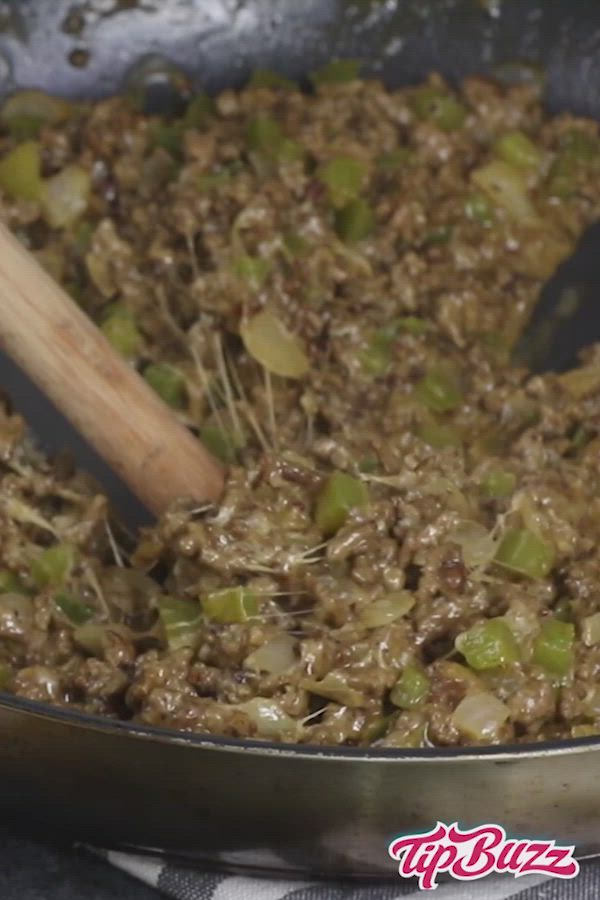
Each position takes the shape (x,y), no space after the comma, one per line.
(63,352)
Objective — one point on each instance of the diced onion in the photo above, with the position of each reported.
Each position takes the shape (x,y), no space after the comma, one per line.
(387,609)
(36,105)
(506,188)
(269,342)
(477,544)
(334,687)
(65,196)
(275,657)
(590,630)
(270,720)
(480,716)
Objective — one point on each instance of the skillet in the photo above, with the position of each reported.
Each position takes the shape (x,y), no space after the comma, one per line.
(249,804)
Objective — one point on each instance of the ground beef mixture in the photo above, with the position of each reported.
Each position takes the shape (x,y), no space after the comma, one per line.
(325,286)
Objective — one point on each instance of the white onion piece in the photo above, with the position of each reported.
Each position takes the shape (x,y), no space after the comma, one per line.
(590,630)
(477,544)
(65,196)
(334,687)
(269,342)
(275,657)
(387,609)
(270,720)
(507,189)
(480,716)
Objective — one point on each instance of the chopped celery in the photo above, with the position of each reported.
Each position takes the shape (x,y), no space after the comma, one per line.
(211,180)
(121,331)
(339,71)
(368,465)
(220,443)
(440,235)
(264,135)
(344,178)
(35,105)
(198,111)
(168,382)
(53,565)
(253,269)
(522,551)
(439,392)
(438,107)
(295,244)
(25,127)
(498,483)
(479,209)
(377,356)
(438,435)
(394,161)
(553,648)
(579,145)
(562,177)
(411,688)
(11,583)
(73,608)
(230,606)
(180,620)
(20,172)
(168,136)
(506,188)
(265,78)
(355,221)
(412,324)
(488,645)
(516,149)
(340,494)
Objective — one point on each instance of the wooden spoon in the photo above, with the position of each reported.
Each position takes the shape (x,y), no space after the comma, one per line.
(63,352)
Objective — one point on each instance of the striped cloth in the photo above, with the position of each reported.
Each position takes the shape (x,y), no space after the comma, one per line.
(182,883)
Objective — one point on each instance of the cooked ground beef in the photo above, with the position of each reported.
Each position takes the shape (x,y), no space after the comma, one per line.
(326,288)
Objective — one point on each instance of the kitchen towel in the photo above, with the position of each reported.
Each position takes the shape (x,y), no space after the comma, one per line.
(183,883)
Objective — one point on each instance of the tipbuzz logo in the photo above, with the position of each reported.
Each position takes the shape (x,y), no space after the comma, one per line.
(470,855)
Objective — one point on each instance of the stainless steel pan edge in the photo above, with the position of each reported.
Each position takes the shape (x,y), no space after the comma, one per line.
(245,804)
(265,806)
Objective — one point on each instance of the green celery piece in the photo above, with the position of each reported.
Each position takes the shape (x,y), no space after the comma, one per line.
(230,606)
(181,620)
(438,107)
(355,221)
(488,645)
(74,609)
(498,483)
(340,494)
(53,565)
(168,382)
(522,551)
(439,392)
(516,149)
(344,178)
(339,71)
(553,649)
(411,688)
